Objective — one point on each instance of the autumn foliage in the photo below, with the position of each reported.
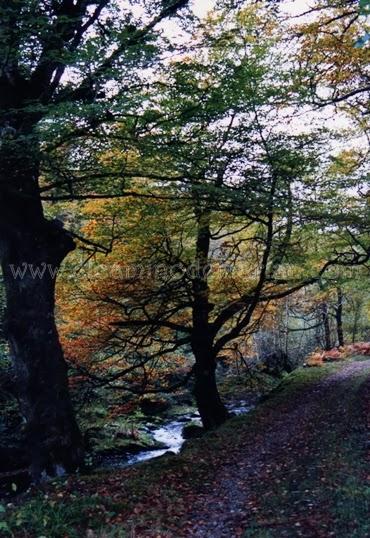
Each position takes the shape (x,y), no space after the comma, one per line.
(319,357)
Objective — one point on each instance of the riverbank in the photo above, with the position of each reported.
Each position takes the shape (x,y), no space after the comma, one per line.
(118,435)
(121,430)
(294,466)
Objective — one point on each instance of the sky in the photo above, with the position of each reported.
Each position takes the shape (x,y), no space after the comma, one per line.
(202,7)
(294,7)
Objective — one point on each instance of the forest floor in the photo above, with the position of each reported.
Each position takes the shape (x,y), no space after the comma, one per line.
(295,466)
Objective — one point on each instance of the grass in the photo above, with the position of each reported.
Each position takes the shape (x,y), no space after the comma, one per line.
(326,489)
(155,494)
(51,517)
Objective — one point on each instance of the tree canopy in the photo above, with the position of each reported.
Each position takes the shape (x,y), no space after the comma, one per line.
(183,179)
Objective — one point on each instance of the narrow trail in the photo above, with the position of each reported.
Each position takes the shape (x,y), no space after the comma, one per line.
(290,438)
(293,467)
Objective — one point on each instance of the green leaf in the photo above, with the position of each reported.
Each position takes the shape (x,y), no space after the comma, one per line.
(364,7)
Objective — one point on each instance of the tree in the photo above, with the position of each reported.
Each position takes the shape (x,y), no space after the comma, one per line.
(56,60)
(231,211)
(333,57)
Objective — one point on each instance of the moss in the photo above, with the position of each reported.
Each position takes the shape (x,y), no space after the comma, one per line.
(44,516)
(247,385)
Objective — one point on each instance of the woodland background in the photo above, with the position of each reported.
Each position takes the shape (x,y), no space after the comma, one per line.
(184,216)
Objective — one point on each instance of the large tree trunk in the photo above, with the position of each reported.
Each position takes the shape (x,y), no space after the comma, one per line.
(210,406)
(30,261)
(211,409)
(31,251)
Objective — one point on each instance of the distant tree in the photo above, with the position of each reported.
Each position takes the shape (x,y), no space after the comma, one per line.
(334,53)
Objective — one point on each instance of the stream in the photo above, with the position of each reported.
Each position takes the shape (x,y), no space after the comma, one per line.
(170,434)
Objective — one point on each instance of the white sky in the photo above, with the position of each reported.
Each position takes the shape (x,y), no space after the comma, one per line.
(201,7)
(328,117)
(293,7)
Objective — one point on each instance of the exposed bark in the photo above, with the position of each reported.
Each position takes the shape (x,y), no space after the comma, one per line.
(211,409)
(339,316)
(326,325)
(53,438)
(31,251)
(356,309)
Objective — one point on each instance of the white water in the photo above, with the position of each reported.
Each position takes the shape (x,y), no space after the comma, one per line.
(170,435)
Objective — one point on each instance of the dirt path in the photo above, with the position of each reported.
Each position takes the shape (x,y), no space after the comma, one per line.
(291,438)
(293,467)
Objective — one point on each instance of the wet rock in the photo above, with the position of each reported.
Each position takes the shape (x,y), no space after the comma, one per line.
(192,431)
(183,398)
(129,448)
(154,406)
